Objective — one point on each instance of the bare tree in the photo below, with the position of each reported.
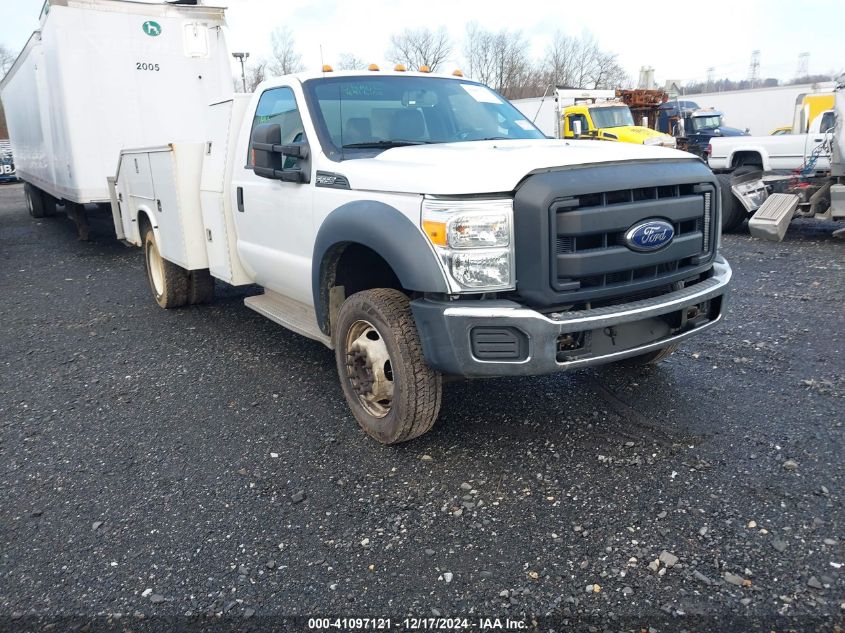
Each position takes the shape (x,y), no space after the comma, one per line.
(285,58)
(478,53)
(500,60)
(607,72)
(559,62)
(579,62)
(255,74)
(348,61)
(420,47)
(7,58)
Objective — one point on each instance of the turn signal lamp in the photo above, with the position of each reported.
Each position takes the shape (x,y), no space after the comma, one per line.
(400,68)
(457,72)
(425,69)
(372,67)
(436,232)
(327,68)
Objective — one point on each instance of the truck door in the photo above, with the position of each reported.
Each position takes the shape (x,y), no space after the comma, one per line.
(818,140)
(570,119)
(273,217)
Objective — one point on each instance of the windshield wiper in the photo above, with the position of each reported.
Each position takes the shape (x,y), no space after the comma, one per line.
(380,144)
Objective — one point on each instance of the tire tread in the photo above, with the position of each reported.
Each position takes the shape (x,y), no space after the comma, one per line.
(425,385)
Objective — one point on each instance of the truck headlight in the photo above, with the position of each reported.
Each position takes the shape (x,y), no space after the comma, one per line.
(662,141)
(474,240)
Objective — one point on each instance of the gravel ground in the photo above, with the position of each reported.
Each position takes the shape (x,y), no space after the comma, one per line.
(200,465)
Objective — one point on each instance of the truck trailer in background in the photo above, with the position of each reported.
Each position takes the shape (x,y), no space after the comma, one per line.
(760,110)
(102,75)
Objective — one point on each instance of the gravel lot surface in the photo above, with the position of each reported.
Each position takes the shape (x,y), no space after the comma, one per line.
(200,465)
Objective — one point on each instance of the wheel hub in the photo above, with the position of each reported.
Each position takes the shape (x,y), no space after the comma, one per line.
(369,369)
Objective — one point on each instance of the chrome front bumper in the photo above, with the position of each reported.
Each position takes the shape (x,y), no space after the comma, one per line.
(448,329)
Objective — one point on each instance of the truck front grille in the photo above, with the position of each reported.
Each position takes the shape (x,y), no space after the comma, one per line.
(570,226)
(588,232)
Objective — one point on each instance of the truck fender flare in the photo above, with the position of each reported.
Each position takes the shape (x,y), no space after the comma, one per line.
(383,229)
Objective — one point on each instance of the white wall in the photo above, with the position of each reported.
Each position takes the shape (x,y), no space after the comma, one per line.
(761,109)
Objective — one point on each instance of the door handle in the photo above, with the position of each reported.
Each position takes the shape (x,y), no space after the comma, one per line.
(240,191)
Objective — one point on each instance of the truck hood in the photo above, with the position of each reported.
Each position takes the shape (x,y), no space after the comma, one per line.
(723,131)
(479,167)
(632,133)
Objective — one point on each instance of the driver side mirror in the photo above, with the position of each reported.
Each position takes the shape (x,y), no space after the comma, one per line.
(270,155)
(576,128)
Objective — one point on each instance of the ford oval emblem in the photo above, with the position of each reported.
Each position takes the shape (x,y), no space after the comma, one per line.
(649,236)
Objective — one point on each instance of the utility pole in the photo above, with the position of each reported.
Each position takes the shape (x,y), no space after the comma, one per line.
(242,58)
(803,65)
(754,68)
(711,74)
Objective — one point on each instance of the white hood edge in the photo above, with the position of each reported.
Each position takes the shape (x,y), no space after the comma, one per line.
(480,167)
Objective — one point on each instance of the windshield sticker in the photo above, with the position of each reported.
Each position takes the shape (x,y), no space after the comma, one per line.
(525,125)
(362,90)
(480,93)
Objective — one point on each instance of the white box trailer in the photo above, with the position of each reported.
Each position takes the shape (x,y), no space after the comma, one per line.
(103,75)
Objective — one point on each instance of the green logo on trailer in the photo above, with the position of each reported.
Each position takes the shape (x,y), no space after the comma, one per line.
(151,28)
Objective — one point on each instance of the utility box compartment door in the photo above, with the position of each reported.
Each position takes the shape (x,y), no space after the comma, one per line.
(164,183)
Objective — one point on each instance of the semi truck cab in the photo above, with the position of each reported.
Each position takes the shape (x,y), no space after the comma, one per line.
(421,227)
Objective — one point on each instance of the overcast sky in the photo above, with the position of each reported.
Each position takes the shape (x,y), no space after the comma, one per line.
(680,40)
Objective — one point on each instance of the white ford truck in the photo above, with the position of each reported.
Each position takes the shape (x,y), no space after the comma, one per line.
(420,226)
(785,152)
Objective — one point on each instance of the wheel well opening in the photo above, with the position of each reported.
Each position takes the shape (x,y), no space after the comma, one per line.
(352,267)
(143,223)
(741,159)
(361,268)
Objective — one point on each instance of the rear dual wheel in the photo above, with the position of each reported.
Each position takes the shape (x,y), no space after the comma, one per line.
(34,201)
(40,204)
(173,286)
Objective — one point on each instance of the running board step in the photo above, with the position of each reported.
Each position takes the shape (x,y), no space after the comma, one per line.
(773,217)
(289,313)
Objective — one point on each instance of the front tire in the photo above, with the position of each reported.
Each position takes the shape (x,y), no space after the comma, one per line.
(168,282)
(393,394)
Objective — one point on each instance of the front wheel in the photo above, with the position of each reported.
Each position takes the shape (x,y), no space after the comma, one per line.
(392,392)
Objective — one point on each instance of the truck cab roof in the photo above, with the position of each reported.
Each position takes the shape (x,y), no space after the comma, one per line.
(309,75)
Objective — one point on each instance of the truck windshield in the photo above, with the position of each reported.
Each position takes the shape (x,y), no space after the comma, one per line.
(359,115)
(700,123)
(611,116)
